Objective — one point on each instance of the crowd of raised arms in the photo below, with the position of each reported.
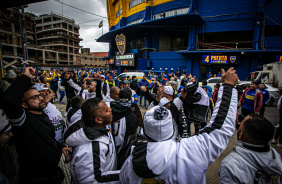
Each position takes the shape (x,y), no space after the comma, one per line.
(105,138)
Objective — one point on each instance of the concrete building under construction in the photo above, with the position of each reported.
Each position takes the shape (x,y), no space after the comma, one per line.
(48,39)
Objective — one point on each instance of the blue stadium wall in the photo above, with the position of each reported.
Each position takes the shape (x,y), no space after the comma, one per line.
(219,16)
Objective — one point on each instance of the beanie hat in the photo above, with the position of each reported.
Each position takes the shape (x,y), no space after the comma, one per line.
(4,125)
(158,124)
(11,74)
(125,97)
(168,90)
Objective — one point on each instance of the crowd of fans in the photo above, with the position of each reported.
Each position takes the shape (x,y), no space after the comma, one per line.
(107,140)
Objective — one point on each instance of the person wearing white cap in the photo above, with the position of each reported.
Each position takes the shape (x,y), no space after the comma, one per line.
(164,102)
(52,112)
(163,91)
(158,158)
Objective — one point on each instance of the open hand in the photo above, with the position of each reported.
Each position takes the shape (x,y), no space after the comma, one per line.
(49,97)
(84,85)
(30,72)
(67,76)
(160,93)
(229,77)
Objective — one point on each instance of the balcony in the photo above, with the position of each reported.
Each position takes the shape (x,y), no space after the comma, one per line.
(53,43)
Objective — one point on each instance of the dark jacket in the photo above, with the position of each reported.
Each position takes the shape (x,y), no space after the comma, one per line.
(214,96)
(143,83)
(257,101)
(69,90)
(38,150)
(120,112)
(134,86)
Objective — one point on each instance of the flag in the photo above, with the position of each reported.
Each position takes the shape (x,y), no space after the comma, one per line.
(100,24)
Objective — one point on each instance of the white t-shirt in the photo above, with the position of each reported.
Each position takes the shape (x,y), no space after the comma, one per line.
(56,118)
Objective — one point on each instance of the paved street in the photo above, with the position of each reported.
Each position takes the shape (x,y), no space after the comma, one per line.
(212,173)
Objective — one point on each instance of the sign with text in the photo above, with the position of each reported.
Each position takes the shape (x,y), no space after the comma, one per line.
(219,59)
(125,63)
(110,62)
(126,60)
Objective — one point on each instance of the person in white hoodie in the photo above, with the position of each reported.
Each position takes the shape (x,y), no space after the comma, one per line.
(252,160)
(158,158)
(74,114)
(94,155)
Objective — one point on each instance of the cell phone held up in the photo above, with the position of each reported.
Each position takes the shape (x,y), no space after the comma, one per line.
(68,157)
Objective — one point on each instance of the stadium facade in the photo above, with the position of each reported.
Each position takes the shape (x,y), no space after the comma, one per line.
(194,35)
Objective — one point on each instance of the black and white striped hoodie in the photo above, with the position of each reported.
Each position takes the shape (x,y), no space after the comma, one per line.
(94,155)
(187,160)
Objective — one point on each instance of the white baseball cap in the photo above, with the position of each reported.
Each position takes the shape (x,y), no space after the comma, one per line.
(39,87)
(163,101)
(168,90)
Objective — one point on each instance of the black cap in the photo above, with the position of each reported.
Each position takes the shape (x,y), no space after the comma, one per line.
(125,95)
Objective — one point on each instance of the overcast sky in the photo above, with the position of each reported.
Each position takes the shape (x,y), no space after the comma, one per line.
(88,31)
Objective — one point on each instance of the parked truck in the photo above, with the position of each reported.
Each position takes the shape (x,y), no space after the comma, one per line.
(271,75)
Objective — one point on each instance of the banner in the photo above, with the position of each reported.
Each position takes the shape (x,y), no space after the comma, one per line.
(220,59)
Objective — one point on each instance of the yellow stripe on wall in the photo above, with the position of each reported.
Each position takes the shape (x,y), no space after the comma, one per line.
(123,5)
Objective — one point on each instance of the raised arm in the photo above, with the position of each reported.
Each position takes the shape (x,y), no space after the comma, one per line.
(72,83)
(213,139)
(12,97)
(52,77)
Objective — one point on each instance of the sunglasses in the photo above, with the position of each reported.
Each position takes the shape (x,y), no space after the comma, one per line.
(34,97)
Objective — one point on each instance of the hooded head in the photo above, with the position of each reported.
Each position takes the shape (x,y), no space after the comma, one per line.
(125,97)
(11,75)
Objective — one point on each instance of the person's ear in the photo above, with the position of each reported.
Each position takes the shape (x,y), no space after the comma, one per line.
(240,136)
(98,120)
(24,105)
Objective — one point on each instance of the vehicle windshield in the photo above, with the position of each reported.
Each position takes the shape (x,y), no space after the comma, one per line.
(252,76)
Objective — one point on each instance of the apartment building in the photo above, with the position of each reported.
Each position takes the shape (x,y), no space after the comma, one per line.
(59,37)
(91,60)
(49,39)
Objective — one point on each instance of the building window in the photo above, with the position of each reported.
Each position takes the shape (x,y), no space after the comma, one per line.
(178,43)
(225,40)
(171,13)
(137,44)
(134,22)
(164,44)
(118,13)
(134,3)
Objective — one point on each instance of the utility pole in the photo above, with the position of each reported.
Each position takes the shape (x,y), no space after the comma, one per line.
(23,40)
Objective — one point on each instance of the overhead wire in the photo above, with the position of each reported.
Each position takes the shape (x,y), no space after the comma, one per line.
(81,10)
